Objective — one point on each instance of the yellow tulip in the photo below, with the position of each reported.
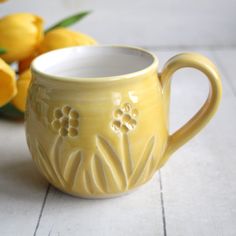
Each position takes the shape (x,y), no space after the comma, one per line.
(23,82)
(24,64)
(7,83)
(63,37)
(20,35)
(55,39)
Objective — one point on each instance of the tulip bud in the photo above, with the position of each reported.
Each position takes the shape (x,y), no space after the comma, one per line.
(63,37)
(20,35)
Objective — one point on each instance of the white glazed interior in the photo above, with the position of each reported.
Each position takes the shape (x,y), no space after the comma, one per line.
(93,62)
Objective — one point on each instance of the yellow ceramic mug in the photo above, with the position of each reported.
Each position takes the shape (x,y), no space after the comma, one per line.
(97,116)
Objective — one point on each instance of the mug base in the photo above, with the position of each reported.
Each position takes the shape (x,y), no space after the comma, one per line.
(105,196)
(98,197)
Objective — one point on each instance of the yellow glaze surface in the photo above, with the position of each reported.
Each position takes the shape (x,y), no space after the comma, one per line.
(101,139)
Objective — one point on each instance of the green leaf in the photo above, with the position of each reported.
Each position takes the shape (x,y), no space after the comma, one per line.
(69,20)
(10,112)
(2,51)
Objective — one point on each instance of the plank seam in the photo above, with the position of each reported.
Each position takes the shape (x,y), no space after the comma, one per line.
(162,205)
(41,210)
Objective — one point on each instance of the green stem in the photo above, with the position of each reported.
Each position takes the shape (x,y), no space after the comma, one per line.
(10,112)
(69,20)
(2,51)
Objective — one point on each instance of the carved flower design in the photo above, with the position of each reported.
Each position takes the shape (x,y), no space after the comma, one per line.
(66,121)
(124,118)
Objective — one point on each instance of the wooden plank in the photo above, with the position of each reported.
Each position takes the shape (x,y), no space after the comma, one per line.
(138,213)
(147,23)
(199,189)
(22,189)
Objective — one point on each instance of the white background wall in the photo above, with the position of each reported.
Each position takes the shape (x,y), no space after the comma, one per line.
(153,23)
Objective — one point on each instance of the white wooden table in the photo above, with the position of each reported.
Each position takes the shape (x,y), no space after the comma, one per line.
(194,194)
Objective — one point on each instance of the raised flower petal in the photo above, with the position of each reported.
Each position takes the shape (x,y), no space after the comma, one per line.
(58,113)
(124,129)
(73,132)
(116,124)
(131,124)
(20,35)
(63,37)
(74,114)
(74,122)
(118,113)
(64,122)
(126,118)
(126,107)
(56,124)
(66,110)
(7,83)
(63,131)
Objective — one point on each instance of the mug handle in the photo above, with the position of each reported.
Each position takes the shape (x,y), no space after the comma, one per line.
(203,116)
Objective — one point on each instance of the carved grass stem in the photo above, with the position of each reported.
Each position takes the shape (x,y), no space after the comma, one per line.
(127,160)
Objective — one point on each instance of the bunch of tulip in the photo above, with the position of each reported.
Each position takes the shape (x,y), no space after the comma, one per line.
(22,38)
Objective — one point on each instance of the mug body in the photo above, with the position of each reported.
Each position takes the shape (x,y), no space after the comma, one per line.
(96,122)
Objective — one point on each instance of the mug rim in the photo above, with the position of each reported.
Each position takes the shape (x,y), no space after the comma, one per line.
(138,73)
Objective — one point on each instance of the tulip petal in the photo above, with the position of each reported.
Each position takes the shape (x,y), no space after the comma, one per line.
(20,35)
(19,101)
(7,83)
(63,37)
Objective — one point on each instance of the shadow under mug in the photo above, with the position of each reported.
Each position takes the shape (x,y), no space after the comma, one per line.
(97,116)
